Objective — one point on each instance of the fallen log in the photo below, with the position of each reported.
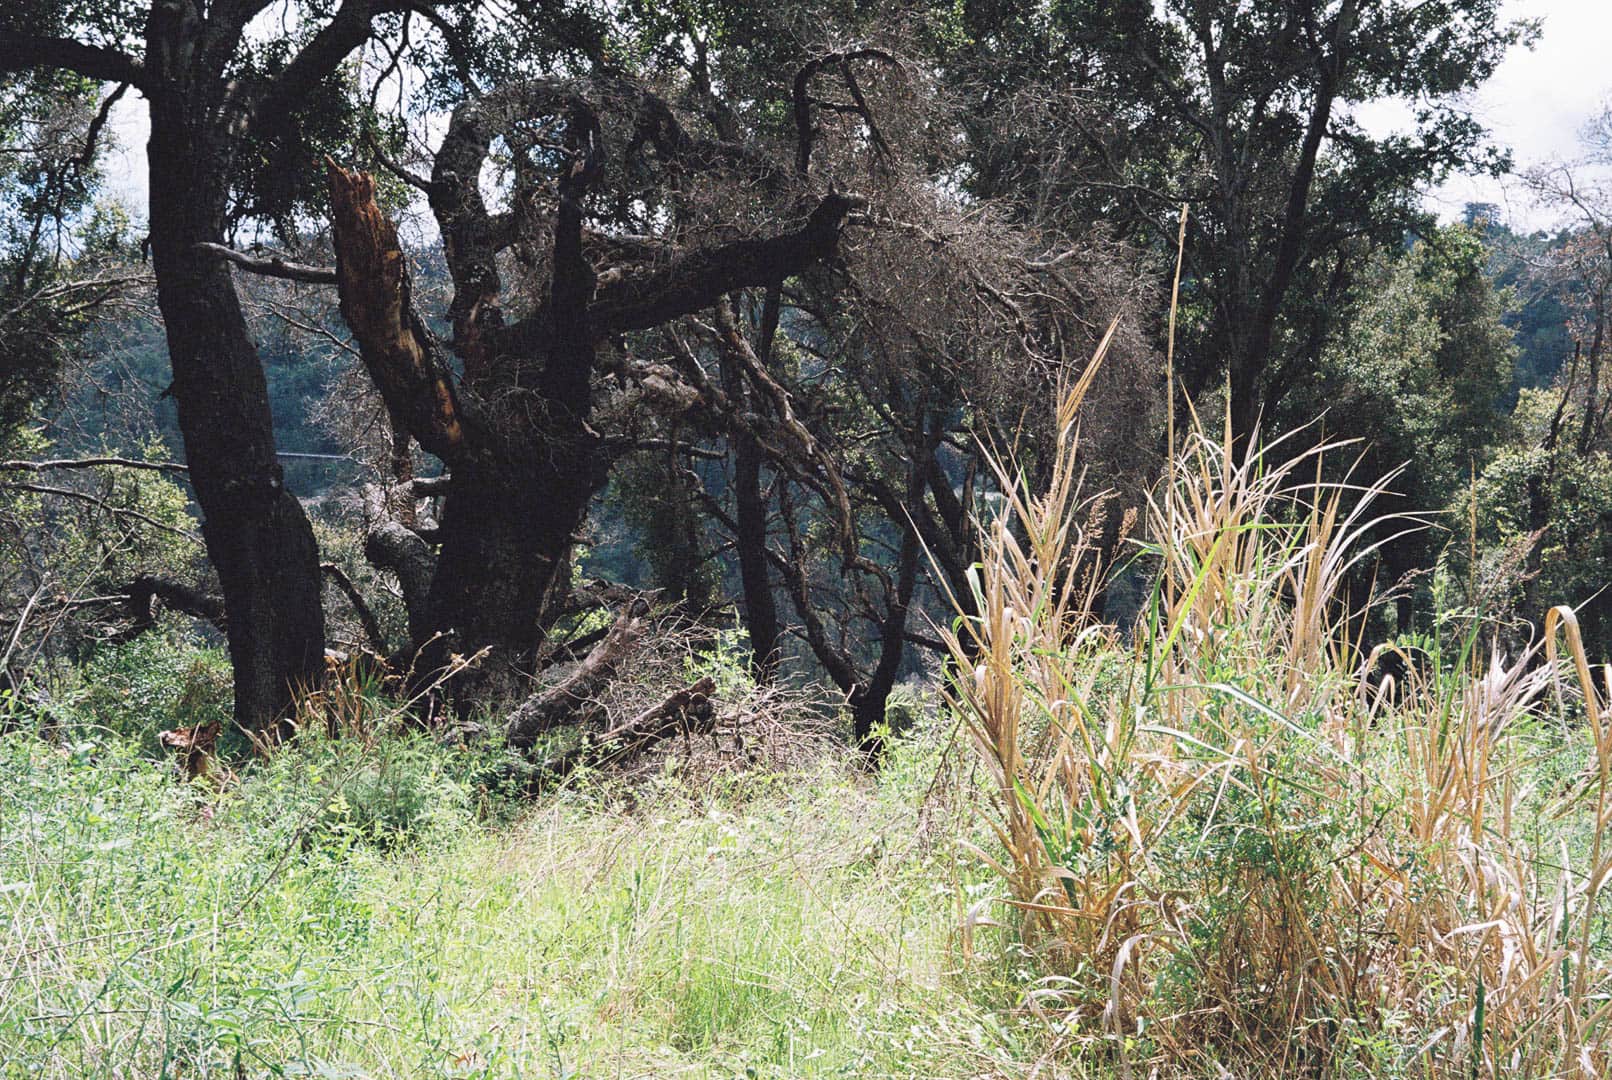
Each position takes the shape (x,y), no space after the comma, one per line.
(685,711)
(569,699)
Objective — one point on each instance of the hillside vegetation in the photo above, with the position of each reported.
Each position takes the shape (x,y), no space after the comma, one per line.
(639,538)
(1228,841)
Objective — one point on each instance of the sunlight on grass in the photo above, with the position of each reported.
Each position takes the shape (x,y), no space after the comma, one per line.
(788,925)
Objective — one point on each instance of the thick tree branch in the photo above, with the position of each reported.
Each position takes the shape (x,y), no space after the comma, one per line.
(836,661)
(688,710)
(693,281)
(92,137)
(175,596)
(573,280)
(27,52)
(91,463)
(472,237)
(734,342)
(391,546)
(397,349)
(426,487)
(805,128)
(274,103)
(273,265)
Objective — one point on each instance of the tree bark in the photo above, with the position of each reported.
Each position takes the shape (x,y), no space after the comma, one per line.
(257,535)
(870,698)
(517,494)
(750,511)
(389,545)
(506,544)
(176,595)
(515,428)
(750,543)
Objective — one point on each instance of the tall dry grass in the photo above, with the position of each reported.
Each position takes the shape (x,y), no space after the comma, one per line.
(1235,840)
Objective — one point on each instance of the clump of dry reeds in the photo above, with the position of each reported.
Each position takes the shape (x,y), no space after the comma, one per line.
(1235,841)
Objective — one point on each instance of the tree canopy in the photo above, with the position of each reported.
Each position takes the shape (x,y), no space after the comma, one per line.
(754,284)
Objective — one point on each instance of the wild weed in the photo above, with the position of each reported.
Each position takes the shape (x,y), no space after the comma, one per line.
(1232,839)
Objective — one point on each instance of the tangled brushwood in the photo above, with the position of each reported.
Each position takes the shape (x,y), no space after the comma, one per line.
(1241,839)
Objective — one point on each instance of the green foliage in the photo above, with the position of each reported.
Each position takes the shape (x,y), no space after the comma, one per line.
(166,929)
(340,907)
(90,534)
(160,680)
(1251,122)
(727,662)
(399,791)
(904,711)
(1540,318)
(280,181)
(1566,498)
(659,508)
(1419,379)
(54,249)
(122,398)
(341,542)
(1421,373)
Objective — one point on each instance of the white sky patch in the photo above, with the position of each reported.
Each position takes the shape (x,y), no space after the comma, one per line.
(1536,104)
(128,180)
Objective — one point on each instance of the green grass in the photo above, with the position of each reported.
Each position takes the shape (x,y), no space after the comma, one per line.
(775,926)
(374,907)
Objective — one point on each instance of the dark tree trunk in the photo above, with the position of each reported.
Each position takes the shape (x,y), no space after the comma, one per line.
(1246,398)
(750,510)
(870,699)
(521,475)
(515,429)
(257,535)
(1250,363)
(207,105)
(506,545)
(750,543)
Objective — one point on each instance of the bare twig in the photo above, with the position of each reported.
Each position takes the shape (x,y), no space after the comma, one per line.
(91,463)
(115,511)
(361,608)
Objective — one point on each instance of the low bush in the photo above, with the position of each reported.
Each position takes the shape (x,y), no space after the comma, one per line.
(157,681)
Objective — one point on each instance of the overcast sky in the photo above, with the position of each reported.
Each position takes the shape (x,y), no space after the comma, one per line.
(1536,104)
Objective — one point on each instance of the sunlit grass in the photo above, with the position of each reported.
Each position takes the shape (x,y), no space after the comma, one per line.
(792,926)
